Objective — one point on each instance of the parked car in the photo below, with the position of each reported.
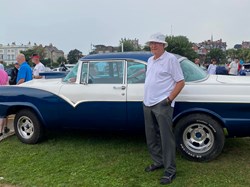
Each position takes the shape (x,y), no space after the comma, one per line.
(53,74)
(245,70)
(57,69)
(68,66)
(105,92)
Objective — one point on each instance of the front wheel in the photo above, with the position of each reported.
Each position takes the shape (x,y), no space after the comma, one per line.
(199,137)
(27,127)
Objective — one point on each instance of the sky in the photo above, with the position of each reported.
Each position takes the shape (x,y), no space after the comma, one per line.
(78,24)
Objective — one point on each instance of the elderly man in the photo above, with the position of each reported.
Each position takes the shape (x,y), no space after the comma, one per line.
(39,67)
(25,72)
(164,81)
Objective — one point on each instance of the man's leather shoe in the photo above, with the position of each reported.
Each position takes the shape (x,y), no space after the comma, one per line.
(153,167)
(167,178)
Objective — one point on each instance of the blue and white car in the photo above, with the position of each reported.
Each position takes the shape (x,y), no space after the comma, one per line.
(105,92)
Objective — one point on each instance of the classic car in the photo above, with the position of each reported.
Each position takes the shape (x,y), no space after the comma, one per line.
(105,92)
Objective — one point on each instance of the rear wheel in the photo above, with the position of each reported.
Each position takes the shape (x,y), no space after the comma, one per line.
(27,126)
(199,137)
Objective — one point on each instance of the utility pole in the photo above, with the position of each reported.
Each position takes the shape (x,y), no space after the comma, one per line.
(122,46)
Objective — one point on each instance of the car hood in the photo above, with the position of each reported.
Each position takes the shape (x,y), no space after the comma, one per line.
(239,80)
(51,85)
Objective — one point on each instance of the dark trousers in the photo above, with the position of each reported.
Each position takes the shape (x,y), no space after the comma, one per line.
(160,136)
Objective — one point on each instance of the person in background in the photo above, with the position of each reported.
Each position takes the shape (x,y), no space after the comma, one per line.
(212,67)
(234,67)
(164,81)
(3,77)
(1,65)
(197,61)
(64,68)
(25,72)
(39,67)
(13,74)
(3,120)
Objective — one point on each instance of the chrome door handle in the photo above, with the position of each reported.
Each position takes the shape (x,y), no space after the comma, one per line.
(119,87)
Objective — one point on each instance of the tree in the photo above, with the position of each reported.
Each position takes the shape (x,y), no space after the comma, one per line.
(129,45)
(74,56)
(217,54)
(61,59)
(181,45)
(231,53)
(36,49)
(244,54)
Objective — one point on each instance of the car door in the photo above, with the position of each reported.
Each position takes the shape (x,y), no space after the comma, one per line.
(98,97)
(136,73)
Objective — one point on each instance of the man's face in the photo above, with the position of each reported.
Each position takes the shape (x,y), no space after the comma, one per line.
(156,47)
(35,60)
(19,60)
(17,66)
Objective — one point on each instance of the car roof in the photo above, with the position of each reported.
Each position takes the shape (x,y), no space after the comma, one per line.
(142,55)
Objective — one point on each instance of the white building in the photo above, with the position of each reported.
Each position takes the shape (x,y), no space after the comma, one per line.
(8,53)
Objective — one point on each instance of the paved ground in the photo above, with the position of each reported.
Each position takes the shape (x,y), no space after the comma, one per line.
(10,126)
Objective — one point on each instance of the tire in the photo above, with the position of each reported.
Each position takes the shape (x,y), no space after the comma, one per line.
(199,137)
(27,127)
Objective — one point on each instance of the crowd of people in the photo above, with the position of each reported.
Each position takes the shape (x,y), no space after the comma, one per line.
(20,73)
(234,68)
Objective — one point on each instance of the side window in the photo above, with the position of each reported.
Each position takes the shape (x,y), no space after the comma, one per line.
(136,73)
(84,73)
(104,72)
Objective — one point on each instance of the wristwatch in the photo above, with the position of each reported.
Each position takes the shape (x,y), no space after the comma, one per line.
(169,101)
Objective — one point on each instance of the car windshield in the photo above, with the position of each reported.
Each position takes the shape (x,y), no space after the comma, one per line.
(72,74)
(192,72)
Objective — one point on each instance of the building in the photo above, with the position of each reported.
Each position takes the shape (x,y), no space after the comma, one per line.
(8,53)
(112,49)
(245,45)
(204,47)
(51,52)
(105,49)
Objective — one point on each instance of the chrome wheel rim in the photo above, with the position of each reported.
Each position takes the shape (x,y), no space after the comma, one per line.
(25,127)
(198,138)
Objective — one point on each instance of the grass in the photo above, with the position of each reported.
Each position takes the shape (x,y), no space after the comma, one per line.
(93,159)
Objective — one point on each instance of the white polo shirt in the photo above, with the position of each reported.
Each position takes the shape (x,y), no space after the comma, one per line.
(38,68)
(233,68)
(161,77)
